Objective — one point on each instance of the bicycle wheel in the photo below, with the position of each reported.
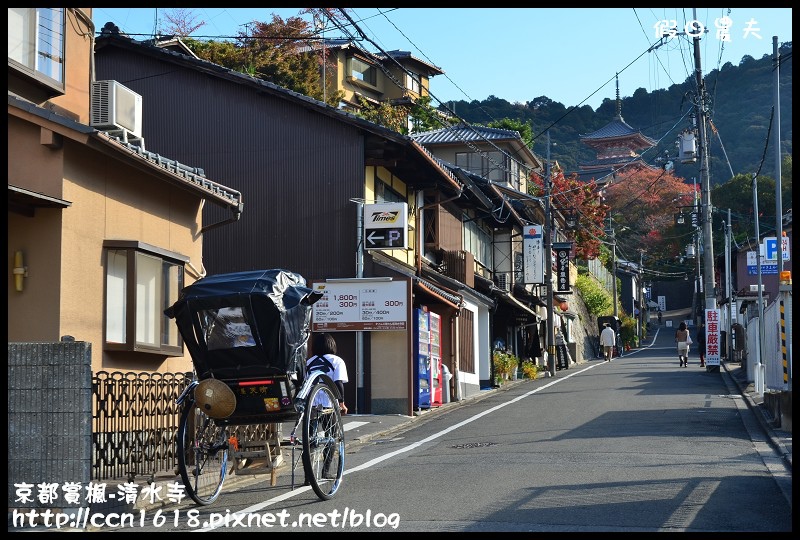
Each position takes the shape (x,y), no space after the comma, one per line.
(202,455)
(323,442)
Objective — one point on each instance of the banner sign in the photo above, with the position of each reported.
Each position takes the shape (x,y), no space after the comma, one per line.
(713,337)
(533,248)
(562,250)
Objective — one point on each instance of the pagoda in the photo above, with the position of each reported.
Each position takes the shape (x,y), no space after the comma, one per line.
(617,145)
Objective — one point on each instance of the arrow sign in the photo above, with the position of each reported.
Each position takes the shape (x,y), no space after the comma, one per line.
(385,239)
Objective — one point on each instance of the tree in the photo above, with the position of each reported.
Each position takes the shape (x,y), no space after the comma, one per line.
(426,118)
(571,194)
(642,203)
(523,127)
(385,114)
(274,51)
(182,22)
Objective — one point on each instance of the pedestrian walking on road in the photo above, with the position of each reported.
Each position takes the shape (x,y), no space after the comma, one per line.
(701,343)
(607,339)
(660,315)
(682,339)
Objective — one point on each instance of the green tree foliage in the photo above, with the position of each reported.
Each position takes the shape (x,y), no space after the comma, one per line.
(524,128)
(627,331)
(385,114)
(736,195)
(424,117)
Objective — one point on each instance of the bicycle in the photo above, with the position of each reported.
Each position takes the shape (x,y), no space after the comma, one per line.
(247,334)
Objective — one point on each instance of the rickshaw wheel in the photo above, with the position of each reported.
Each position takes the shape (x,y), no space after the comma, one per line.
(202,455)
(323,442)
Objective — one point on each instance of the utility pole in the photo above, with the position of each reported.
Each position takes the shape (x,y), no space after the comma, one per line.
(614,284)
(728,291)
(548,266)
(777,144)
(642,299)
(705,179)
(784,286)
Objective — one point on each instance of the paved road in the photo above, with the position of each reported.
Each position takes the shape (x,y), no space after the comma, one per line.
(614,425)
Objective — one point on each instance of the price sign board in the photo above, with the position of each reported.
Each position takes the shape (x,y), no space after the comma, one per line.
(360,305)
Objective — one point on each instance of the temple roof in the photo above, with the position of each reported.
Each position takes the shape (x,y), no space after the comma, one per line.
(618,129)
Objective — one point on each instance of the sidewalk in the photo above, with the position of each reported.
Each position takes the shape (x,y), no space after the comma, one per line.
(780,439)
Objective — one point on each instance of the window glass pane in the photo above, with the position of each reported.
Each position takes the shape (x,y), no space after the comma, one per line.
(148,299)
(384,193)
(49,42)
(495,167)
(363,71)
(116,268)
(226,328)
(21,35)
(173,283)
(412,82)
(478,241)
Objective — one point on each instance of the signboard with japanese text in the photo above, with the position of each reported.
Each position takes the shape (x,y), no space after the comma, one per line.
(360,305)
(562,250)
(752,265)
(713,337)
(386,226)
(533,249)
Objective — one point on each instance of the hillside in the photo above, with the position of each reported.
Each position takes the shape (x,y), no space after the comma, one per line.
(739,100)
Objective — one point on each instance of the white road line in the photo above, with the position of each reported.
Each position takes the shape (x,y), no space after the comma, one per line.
(353,425)
(260,506)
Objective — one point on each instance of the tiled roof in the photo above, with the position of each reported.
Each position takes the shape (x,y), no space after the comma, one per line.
(615,129)
(193,177)
(461,133)
(274,89)
(397,55)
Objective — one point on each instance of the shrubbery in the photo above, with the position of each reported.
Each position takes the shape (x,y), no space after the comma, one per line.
(596,298)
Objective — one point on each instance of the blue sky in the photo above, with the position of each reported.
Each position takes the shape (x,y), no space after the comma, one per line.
(570,55)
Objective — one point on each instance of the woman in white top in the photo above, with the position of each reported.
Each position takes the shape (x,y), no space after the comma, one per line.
(325,359)
(682,339)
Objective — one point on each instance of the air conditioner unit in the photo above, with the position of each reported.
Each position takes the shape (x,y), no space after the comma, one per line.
(504,282)
(116,107)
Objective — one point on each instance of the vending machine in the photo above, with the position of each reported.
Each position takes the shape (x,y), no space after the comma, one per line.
(435,327)
(422,363)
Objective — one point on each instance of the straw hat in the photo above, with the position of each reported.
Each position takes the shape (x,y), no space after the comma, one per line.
(215,398)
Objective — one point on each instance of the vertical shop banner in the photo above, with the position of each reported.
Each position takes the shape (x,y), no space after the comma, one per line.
(533,247)
(562,250)
(713,337)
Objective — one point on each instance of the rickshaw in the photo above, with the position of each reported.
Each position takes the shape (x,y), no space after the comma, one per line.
(247,334)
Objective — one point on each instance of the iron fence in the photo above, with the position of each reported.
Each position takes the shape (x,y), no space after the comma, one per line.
(135,423)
